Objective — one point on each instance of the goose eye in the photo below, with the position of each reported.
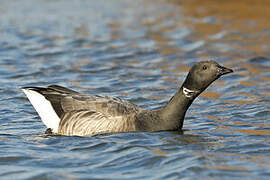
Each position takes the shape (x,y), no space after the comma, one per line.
(204,67)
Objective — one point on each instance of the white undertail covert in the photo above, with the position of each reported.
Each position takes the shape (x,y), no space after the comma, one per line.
(44,109)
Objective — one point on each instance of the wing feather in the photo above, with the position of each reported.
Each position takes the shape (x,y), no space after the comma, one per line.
(107,105)
(83,114)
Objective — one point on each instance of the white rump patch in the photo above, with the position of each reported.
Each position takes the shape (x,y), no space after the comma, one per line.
(189,93)
(44,109)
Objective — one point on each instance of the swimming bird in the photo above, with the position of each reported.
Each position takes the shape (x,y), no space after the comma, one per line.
(67,112)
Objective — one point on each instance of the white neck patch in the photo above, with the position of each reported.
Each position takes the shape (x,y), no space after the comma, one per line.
(189,93)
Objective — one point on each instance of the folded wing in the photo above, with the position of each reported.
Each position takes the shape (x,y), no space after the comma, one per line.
(82,114)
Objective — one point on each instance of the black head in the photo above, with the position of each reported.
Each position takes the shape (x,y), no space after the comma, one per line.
(203,73)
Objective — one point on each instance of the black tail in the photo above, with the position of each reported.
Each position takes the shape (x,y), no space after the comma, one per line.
(51,89)
(54,94)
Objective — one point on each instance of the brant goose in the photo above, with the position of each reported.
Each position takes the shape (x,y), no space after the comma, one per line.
(67,112)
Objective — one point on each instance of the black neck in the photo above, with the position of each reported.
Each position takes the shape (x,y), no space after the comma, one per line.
(174,112)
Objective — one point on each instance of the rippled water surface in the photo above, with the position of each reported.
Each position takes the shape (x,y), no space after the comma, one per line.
(140,51)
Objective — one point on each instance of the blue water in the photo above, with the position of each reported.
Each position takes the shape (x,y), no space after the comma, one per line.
(140,51)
